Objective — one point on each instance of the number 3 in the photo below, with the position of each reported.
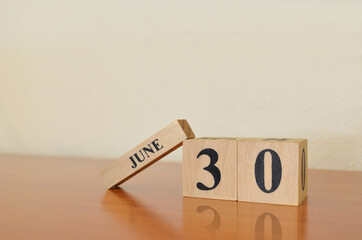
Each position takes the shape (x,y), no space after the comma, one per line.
(211,168)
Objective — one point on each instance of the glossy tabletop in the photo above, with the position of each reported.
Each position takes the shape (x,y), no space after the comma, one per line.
(64,198)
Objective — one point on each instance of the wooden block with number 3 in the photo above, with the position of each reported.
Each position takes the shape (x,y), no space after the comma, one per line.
(210,168)
(272,170)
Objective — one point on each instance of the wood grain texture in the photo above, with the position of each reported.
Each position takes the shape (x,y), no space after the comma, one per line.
(146,153)
(198,168)
(63,198)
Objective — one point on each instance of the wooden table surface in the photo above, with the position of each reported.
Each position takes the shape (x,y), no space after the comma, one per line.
(64,198)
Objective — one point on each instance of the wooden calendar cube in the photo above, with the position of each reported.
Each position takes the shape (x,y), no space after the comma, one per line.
(210,168)
(272,170)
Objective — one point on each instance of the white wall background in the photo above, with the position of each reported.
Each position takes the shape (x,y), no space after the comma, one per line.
(95,78)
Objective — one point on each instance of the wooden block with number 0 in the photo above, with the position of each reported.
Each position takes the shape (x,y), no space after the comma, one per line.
(272,170)
(210,168)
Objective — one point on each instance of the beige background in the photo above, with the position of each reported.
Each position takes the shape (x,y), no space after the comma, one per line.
(95,78)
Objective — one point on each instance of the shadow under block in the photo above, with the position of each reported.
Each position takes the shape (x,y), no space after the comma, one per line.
(148,152)
(210,168)
(272,170)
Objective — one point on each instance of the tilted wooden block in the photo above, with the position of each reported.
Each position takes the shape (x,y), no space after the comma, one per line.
(272,170)
(210,168)
(147,153)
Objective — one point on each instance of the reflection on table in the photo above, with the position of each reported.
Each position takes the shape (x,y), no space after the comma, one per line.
(132,212)
(217,219)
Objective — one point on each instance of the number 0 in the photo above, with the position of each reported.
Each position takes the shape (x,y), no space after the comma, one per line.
(276,170)
(303,170)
